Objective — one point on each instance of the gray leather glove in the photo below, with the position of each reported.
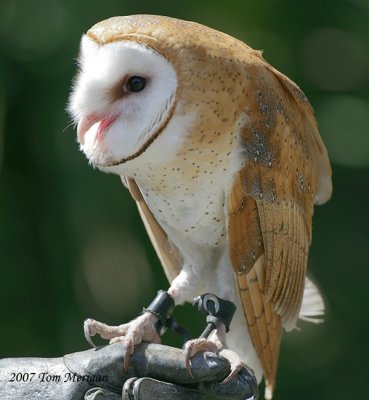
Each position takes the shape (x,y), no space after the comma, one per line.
(155,372)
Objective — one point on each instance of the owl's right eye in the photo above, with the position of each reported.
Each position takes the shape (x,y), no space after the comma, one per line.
(135,84)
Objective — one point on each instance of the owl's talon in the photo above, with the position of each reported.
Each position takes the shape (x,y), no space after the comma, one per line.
(189,366)
(236,364)
(194,346)
(90,341)
(129,347)
(89,330)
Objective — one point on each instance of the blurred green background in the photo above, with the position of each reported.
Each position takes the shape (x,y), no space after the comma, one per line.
(71,242)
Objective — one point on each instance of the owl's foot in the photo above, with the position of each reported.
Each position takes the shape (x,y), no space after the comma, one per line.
(192,347)
(144,328)
(235,361)
(141,329)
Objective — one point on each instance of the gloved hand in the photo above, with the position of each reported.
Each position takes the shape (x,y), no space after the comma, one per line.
(155,372)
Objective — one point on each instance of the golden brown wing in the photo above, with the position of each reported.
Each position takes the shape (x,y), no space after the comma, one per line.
(286,170)
(168,254)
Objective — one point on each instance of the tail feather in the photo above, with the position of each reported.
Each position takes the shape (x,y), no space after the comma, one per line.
(312,308)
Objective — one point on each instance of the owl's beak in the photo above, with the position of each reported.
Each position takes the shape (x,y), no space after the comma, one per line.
(86,122)
(84,125)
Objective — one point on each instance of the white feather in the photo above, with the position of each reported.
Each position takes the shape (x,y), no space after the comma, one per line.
(312,303)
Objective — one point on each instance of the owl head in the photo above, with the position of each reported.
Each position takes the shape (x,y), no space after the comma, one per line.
(140,76)
(123,95)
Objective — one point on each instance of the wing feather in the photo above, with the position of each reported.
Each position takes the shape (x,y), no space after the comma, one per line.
(285,170)
(263,323)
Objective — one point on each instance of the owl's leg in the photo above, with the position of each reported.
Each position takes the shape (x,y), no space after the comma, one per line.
(144,328)
(215,343)
(219,314)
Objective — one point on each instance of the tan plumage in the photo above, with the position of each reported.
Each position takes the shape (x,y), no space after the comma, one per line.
(253,135)
(272,203)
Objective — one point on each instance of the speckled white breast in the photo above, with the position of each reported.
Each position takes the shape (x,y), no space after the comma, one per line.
(186,191)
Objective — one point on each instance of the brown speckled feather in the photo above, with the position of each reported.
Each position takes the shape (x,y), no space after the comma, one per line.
(271,207)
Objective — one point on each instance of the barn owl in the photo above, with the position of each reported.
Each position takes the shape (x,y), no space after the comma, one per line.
(222,154)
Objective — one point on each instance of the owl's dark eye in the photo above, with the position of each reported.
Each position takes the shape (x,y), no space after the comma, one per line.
(135,84)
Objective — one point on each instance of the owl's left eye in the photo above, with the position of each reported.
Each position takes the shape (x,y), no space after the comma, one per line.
(135,84)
